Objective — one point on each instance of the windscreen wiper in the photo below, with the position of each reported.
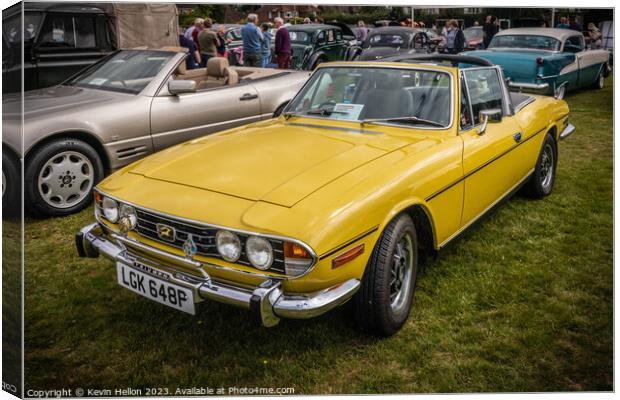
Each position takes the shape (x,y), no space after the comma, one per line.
(410,120)
(324,111)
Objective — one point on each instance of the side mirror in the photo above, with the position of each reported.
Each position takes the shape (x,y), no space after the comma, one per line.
(491,115)
(180,86)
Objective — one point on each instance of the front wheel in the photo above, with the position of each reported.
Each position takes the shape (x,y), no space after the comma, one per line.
(561,93)
(60,177)
(383,302)
(542,180)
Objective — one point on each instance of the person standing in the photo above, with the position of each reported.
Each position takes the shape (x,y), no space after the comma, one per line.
(222,43)
(265,46)
(207,42)
(196,32)
(574,25)
(595,36)
(563,24)
(193,56)
(282,45)
(252,39)
(197,23)
(489,29)
(455,38)
(362,32)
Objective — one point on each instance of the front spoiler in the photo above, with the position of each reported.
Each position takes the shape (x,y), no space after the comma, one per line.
(267,302)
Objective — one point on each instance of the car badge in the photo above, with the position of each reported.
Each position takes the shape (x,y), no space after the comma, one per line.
(166,232)
(189,247)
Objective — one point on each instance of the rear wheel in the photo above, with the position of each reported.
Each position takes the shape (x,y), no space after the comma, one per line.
(61,176)
(561,92)
(383,302)
(542,180)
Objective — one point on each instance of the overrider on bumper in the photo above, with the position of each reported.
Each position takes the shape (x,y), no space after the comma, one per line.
(267,302)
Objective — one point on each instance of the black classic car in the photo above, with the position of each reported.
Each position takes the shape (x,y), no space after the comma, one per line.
(396,40)
(313,44)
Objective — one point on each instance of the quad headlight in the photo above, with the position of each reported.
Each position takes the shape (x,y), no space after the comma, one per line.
(259,252)
(228,245)
(110,209)
(128,218)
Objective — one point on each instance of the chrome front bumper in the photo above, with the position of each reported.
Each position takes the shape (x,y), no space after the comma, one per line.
(267,302)
(570,128)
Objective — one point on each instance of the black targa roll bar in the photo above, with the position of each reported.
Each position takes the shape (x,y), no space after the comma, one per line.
(454,59)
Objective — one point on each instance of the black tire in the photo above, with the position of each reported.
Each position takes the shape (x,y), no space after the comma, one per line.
(538,186)
(34,200)
(373,309)
(11,186)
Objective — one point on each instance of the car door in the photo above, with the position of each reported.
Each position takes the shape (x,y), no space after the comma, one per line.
(587,69)
(331,47)
(178,118)
(492,161)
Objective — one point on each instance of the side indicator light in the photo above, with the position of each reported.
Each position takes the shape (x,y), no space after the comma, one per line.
(348,255)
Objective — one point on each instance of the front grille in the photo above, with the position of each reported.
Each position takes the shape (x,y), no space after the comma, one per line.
(203,236)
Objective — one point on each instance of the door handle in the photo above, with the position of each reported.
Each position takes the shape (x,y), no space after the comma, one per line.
(517,137)
(248,96)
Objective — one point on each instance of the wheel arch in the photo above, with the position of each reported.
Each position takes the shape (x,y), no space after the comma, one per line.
(87,137)
(422,219)
(315,57)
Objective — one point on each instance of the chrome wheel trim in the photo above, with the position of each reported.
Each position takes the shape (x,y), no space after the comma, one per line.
(546,167)
(65,179)
(401,270)
(561,92)
(601,80)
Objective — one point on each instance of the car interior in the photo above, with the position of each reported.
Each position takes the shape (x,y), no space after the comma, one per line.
(219,73)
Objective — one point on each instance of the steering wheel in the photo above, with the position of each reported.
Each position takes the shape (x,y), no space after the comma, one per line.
(327,103)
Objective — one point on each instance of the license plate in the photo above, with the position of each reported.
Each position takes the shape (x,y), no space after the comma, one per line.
(156,289)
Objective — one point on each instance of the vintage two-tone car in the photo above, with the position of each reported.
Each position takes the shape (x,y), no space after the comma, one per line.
(130,104)
(547,60)
(371,165)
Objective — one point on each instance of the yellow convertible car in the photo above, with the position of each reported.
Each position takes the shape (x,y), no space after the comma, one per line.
(370,166)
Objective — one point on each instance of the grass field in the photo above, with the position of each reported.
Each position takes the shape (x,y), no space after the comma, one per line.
(522,303)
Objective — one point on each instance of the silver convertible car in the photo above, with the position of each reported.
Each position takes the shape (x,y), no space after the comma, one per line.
(128,105)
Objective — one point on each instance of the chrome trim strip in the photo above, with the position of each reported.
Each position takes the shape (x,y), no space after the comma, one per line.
(527,85)
(570,128)
(206,225)
(523,104)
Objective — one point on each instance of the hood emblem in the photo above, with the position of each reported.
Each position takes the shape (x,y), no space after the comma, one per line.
(189,247)
(166,232)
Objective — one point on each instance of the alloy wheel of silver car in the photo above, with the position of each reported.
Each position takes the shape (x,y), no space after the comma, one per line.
(546,167)
(65,179)
(401,270)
